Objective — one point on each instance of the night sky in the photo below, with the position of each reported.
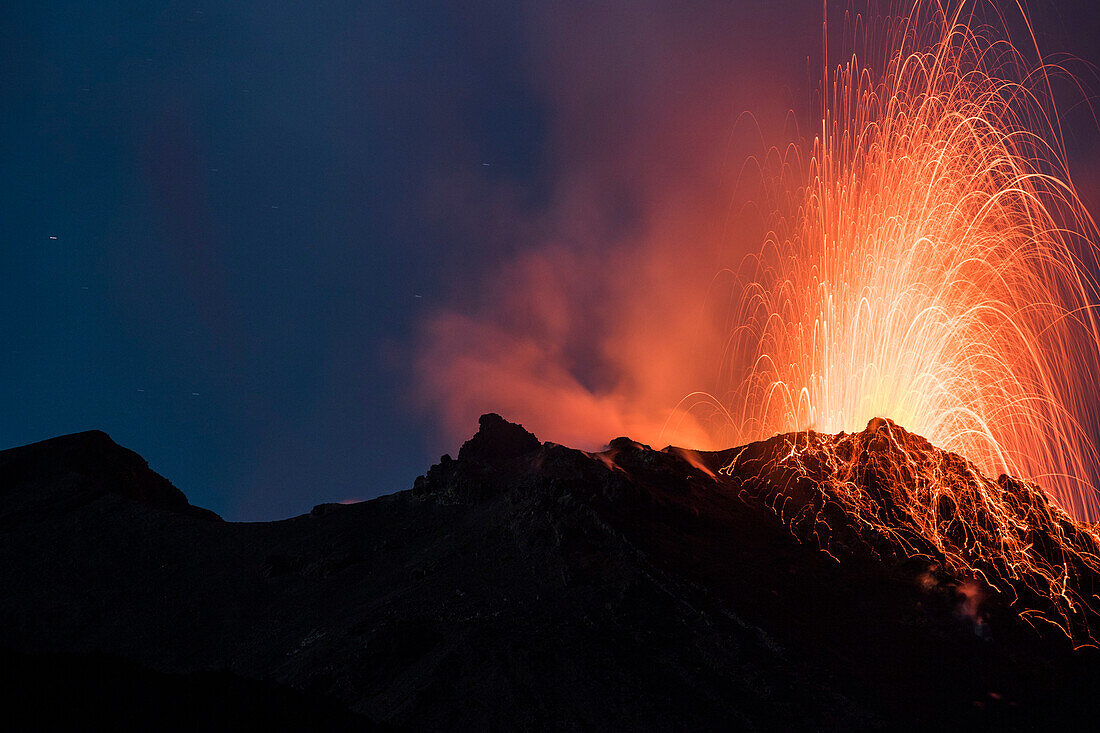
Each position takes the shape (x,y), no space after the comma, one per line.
(226,224)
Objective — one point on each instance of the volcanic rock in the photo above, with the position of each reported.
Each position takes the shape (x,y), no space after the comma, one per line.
(807,582)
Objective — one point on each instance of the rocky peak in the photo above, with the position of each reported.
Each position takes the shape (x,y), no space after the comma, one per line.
(498,440)
(76,468)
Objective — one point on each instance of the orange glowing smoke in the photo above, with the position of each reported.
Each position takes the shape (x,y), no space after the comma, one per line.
(926,259)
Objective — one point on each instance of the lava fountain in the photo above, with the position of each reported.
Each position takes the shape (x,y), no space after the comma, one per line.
(924,257)
(928,260)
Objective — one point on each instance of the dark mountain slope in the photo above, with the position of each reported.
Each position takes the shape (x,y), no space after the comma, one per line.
(95,692)
(63,473)
(528,585)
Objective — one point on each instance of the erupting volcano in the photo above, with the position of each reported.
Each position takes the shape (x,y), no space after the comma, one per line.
(926,259)
(872,350)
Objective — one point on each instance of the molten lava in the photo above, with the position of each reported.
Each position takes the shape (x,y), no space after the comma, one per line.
(931,262)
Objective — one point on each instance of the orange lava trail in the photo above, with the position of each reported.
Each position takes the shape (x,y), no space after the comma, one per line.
(893,492)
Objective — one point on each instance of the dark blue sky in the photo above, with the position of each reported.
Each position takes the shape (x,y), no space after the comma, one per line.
(222,223)
(234,192)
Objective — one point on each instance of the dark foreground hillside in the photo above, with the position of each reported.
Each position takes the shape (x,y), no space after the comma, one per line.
(529,586)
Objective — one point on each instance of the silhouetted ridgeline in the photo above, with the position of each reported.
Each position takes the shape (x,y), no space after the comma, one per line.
(520,586)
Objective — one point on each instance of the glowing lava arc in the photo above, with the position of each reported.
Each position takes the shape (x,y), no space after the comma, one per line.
(934,265)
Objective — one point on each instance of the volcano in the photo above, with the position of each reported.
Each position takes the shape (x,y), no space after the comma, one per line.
(810,581)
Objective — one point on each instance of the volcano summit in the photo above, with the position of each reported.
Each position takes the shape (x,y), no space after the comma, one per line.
(809,581)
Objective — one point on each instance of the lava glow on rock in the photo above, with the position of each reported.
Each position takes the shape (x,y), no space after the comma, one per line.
(893,493)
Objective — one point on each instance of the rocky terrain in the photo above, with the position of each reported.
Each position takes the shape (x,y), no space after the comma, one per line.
(807,582)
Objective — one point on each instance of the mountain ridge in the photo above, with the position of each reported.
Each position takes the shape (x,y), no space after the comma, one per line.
(528,585)
(91,464)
